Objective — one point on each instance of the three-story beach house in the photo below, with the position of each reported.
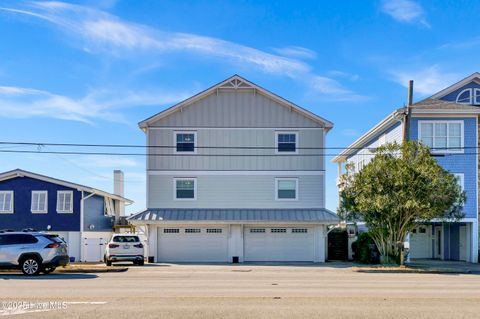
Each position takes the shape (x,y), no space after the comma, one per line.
(235,173)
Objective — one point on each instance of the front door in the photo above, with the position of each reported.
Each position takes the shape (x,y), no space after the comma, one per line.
(438,243)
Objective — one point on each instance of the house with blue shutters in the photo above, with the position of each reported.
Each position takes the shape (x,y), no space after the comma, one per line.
(447,122)
(84,216)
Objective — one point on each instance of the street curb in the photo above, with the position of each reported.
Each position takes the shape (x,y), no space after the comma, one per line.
(91,270)
(413,271)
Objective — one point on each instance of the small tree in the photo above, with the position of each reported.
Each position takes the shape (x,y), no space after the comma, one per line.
(402,186)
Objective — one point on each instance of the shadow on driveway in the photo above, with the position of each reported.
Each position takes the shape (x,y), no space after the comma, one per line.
(53,276)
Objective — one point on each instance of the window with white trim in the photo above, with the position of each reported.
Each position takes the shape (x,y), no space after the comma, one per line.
(278,230)
(442,136)
(300,230)
(39,203)
(185,188)
(171,230)
(65,202)
(193,230)
(257,230)
(469,96)
(214,230)
(185,142)
(460,179)
(286,189)
(6,202)
(287,142)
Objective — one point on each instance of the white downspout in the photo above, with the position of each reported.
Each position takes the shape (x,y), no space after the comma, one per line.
(82,208)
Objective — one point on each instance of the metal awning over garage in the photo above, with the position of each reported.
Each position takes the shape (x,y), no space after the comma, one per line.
(310,215)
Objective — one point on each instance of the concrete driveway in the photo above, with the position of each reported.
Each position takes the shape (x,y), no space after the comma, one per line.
(246,291)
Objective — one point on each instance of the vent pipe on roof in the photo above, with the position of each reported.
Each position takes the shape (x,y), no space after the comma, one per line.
(118,189)
(406,120)
(410,93)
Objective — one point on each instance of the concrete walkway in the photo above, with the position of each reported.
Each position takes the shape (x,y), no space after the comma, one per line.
(459,266)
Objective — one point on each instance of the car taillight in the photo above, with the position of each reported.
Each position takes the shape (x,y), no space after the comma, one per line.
(113,246)
(138,245)
(52,245)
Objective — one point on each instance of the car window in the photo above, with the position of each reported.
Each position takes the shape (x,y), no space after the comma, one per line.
(54,238)
(16,239)
(125,239)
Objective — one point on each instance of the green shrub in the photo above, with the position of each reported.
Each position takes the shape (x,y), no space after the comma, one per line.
(364,250)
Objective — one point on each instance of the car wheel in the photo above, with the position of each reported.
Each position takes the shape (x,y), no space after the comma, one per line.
(30,266)
(141,263)
(108,262)
(48,270)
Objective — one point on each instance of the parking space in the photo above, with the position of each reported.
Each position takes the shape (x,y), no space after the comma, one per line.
(247,291)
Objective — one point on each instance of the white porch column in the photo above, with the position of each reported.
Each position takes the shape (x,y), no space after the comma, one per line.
(320,243)
(474,242)
(407,239)
(235,242)
(152,241)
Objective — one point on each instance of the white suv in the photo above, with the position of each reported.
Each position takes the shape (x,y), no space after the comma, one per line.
(124,247)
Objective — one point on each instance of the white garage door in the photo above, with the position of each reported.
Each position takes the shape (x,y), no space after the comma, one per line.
(420,243)
(195,244)
(279,244)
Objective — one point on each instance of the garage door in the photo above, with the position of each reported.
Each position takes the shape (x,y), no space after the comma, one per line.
(420,243)
(279,244)
(193,244)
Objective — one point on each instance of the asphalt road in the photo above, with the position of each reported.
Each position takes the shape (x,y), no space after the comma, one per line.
(247,291)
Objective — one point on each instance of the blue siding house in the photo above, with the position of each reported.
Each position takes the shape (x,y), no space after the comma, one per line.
(83,216)
(448,123)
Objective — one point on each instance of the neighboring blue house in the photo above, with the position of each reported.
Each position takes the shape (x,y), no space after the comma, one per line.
(84,216)
(448,123)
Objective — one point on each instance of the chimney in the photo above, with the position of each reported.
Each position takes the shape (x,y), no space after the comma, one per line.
(118,189)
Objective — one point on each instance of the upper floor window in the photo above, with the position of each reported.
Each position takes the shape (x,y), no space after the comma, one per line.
(185,142)
(442,136)
(39,202)
(185,188)
(286,189)
(287,142)
(469,96)
(6,202)
(64,202)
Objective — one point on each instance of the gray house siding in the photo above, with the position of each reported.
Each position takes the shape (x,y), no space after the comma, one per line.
(235,108)
(94,215)
(227,191)
(306,159)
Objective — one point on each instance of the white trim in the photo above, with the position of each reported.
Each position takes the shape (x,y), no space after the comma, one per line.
(175,142)
(246,85)
(461,179)
(456,86)
(63,211)
(277,133)
(12,198)
(433,122)
(236,173)
(175,179)
(21,173)
(45,211)
(476,93)
(286,179)
(463,91)
(198,128)
(446,113)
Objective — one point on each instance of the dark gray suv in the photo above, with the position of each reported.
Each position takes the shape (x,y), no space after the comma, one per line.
(32,252)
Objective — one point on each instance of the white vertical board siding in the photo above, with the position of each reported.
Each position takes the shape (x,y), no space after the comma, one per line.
(236,108)
(226,191)
(260,143)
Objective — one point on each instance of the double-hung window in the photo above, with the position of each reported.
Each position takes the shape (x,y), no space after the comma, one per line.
(6,202)
(39,202)
(442,136)
(287,142)
(185,188)
(185,142)
(286,188)
(64,202)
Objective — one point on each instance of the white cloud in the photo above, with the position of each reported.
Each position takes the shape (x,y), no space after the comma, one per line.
(427,81)
(350,132)
(19,102)
(103,32)
(406,11)
(97,161)
(296,52)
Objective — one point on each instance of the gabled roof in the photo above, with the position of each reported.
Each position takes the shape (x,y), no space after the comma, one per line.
(21,173)
(236,82)
(474,77)
(228,215)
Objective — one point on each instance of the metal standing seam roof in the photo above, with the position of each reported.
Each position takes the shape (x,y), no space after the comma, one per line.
(274,215)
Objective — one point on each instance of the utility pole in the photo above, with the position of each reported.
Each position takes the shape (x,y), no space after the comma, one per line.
(406,119)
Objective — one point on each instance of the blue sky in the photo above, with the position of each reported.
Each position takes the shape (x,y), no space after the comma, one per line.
(88,72)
